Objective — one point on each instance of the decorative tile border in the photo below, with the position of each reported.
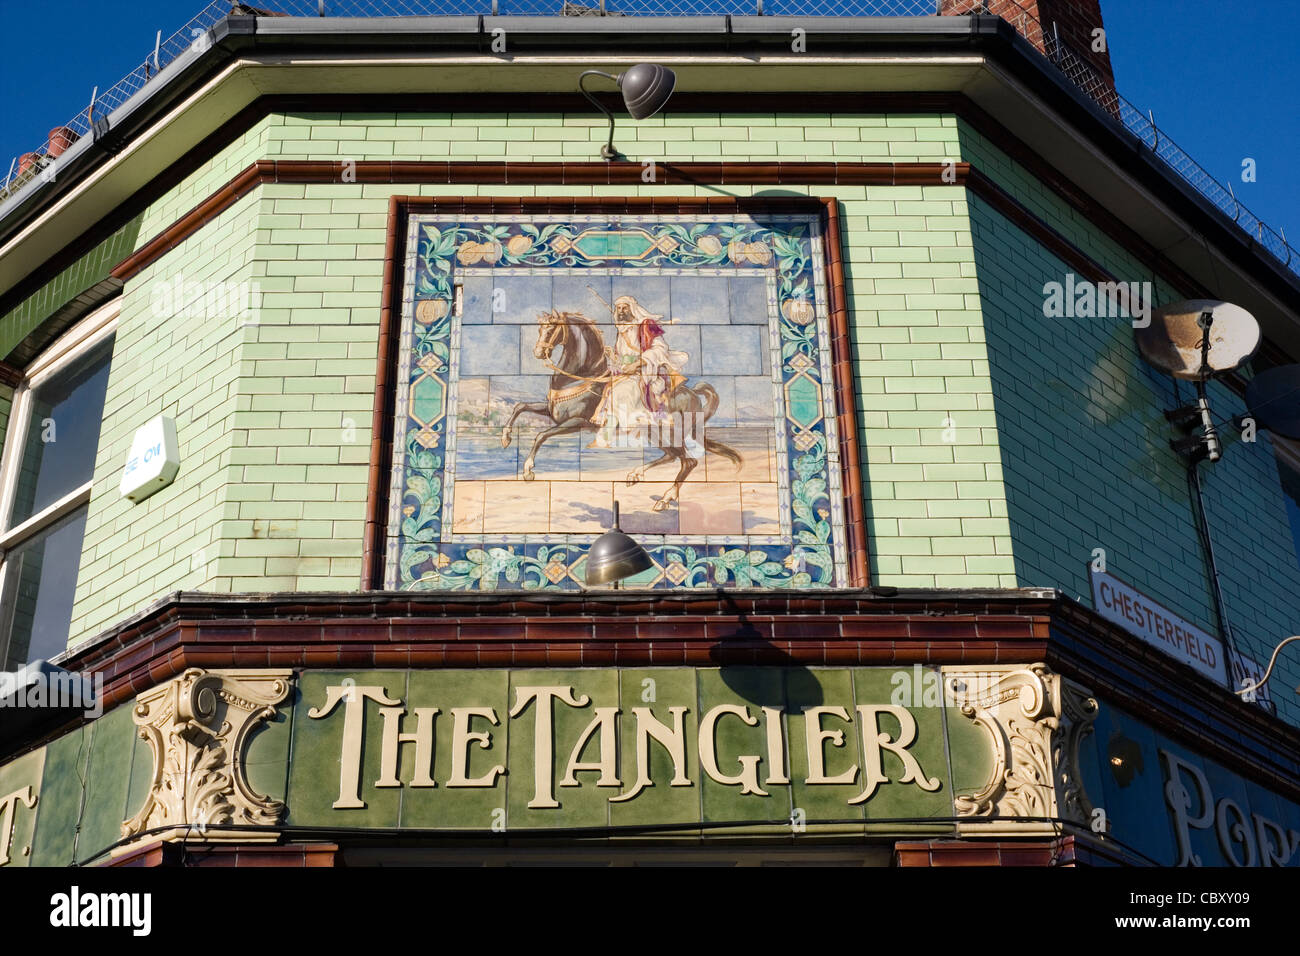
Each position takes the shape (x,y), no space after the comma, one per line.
(421,551)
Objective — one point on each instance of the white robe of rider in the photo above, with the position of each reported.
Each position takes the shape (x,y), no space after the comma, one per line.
(644,372)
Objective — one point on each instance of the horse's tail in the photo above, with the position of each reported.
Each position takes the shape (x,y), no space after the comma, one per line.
(712,400)
(726,451)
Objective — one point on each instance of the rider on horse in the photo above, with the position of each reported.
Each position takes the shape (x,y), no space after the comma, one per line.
(643,373)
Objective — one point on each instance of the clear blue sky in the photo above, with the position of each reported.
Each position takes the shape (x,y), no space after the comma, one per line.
(1220,78)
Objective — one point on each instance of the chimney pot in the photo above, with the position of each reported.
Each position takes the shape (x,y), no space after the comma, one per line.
(1074,21)
(61,137)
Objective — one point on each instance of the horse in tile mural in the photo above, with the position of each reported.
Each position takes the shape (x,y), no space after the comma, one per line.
(633,395)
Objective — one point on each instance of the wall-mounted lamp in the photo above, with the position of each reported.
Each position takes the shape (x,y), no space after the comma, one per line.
(645,87)
(614,556)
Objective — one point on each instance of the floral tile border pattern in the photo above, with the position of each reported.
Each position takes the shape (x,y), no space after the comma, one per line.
(423,555)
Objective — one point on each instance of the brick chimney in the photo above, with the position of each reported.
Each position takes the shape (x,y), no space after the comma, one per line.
(1042,22)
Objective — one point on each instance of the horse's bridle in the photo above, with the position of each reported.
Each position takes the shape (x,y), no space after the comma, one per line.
(549,341)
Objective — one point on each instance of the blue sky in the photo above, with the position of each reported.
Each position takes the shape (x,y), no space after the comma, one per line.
(1216,76)
(1220,79)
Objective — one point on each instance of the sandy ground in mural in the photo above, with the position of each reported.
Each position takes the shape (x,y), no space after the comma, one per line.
(575,487)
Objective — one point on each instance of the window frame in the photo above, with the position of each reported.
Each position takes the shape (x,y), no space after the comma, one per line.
(87,334)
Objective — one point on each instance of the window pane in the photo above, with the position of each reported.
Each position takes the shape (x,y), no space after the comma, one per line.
(62,434)
(40,577)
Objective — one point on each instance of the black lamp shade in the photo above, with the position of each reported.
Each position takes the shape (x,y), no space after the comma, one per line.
(646,88)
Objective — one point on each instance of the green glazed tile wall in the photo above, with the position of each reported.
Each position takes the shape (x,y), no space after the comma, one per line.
(91,268)
(937,517)
(1048,206)
(94,266)
(210,176)
(1253,547)
(285,482)
(1087,464)
(274,416)
(170,358)
(306,389)
(667,137)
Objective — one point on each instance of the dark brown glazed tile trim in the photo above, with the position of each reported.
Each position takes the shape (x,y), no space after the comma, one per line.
(209,209)
(372,548)
(855,525)
(194,852)
(377,493)
(755,174)
(945,852)
(704,640)
(500,173)
(931,174)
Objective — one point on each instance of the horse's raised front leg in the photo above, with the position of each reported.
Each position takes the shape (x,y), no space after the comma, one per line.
(537,408)
(671,495)
(564,428)
(636,474)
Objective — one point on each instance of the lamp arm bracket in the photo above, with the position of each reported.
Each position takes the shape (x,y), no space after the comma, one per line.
(607,151)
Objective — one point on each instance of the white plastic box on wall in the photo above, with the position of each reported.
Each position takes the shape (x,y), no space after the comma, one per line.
(153,460)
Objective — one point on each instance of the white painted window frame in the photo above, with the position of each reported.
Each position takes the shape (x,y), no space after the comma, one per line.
(85,335)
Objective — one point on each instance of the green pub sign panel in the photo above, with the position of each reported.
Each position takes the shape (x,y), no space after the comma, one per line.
(1007,751)
(602,748)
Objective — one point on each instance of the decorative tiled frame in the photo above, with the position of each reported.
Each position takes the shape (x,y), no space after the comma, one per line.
(405,547)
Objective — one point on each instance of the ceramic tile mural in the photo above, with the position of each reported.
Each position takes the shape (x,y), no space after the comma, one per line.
(550,367)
